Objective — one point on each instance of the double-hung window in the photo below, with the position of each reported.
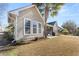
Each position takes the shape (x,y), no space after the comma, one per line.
(34,28)
(39,27)
(27,26)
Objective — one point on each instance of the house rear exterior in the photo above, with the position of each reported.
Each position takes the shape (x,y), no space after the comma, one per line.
(52,28)
(27,21)
(0,28)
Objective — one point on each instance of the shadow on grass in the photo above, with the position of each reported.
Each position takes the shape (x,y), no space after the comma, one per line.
(10,47)
(23,43)
(6,48)
(26,42)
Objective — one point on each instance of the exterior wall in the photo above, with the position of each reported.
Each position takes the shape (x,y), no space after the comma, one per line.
(33,15)
(55,29)
(52,28)
(11,18)
(49,30)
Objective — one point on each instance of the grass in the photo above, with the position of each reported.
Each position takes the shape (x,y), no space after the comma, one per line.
(58,46)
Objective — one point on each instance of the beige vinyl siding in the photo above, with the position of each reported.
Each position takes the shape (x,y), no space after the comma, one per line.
(33,15)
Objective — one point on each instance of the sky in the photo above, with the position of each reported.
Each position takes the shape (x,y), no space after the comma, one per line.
(67,12)
(11,6)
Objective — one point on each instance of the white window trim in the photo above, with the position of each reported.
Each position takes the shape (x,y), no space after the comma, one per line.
(31,27)
(24,26)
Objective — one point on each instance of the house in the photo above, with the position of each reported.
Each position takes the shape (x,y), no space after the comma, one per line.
(0,28)
(52,28)
(27,21)
(1,32)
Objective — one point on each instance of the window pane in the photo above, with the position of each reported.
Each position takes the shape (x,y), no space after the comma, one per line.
(27,27)
(34,28)
(39,28)
(39,25)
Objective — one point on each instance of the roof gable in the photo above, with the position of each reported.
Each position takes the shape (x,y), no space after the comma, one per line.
(20,9)
(16,11)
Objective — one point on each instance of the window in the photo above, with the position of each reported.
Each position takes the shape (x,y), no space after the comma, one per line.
(34,28)
(27,27)
(39,27)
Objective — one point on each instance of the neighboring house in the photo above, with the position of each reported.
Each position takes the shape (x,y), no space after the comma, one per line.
(0,29)
(52,28)
(60,28)
(27,21)
(1,33)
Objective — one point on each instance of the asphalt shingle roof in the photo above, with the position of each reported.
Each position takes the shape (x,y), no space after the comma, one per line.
(52,23)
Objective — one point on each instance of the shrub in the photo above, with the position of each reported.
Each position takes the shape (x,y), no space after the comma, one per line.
(65,31)
(77,32)
(9,33)
(70,26)
(8,36)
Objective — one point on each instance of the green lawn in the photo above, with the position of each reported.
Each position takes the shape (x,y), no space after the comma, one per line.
(58,46)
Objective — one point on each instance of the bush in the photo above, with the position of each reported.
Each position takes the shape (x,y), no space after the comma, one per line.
(9,33)
(8,36)
(77,32)
(65,31)
(70,26)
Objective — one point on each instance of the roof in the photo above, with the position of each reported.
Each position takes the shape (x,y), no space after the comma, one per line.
(23,8)
(49,25)
(52,23)
(20,9)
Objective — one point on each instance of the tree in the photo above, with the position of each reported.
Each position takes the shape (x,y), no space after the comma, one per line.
(10,28)
(70,26)
(45,8)
(9,33)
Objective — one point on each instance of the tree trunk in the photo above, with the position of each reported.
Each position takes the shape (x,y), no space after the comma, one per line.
(46,16)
